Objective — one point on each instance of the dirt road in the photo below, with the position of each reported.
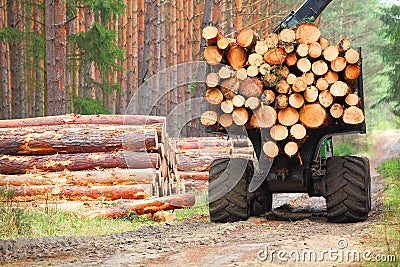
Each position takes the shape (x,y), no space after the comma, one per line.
(302,235)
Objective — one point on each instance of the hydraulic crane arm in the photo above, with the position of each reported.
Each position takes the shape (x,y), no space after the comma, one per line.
(310,9)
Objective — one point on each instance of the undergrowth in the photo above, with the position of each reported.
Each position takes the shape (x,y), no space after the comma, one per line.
(385,235)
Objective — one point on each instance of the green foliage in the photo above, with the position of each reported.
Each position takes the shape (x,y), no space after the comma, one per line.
(359,21)
(385,235)
(11,35)
(16,221)
(13,220)
(98,46)
(390,17)
(353,145)
(103,9)
(185,213)
(344,149)
(87,106)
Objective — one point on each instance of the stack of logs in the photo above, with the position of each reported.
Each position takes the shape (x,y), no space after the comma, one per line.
(86,157)
(289,83)
(192,156)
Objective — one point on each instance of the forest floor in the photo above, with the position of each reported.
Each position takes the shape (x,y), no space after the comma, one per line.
(297,226)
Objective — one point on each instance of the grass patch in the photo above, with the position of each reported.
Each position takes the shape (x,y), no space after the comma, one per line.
(355,144)
(17,221)
(385,235)
(21,222)
(200,207)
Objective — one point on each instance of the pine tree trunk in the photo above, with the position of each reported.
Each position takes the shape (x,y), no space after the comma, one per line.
(238,20)
(16,54)
(38,61)
(143,206)
(56,56)
(4,82)
(122,97)
(78,161)
(135,54)
(163,61)
(75,138)
(83,178)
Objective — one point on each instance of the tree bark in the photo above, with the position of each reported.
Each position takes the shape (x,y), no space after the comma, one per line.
(143,206)
(16,54)
(56,52)
(198,162)
(203,176)
(78,161)
(312,115)
(4,82)
(83,119)
(103,193)
(40,140)
(108,177)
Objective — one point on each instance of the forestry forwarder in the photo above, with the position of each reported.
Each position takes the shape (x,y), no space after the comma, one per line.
(236,191)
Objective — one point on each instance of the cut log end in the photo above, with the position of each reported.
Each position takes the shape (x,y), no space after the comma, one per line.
(212,79)
(312,115)
(336,110)
(270,149)
(209,118)
(314,50)
(225,120)
(338,64)
(352,72)
(296,100)
(353,115)
(325,98)
(238,101)
(352,100)
(330,53)
(319,68)
(211,35)
(255,59)
(288,116)
(304,64)
(240,116)
(279,132)
(322,84)
(311,94)
(227,106)
(237,57)
(352,56)
(268,97)
(264,117)
(298,131)
(275,56)
(213,55)
(252,103)
(339,89)
(246,38)
(291,149)
(307,33)
(214,96)
(287,36)
(343,45)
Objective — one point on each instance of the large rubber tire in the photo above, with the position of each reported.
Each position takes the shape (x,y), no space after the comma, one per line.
(348,189)
(260,201)
(233,205)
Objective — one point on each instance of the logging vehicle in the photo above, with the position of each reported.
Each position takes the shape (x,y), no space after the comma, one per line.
(240,188)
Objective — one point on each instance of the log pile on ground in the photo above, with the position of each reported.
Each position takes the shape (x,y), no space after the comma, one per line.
(291,83)
(80,158)
(191,157)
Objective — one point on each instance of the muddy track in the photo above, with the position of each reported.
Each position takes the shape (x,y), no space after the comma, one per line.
(297,223)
